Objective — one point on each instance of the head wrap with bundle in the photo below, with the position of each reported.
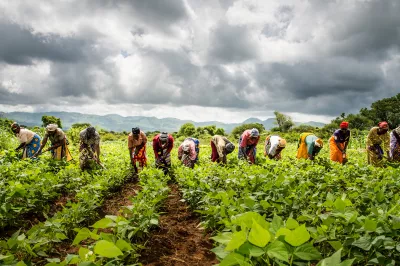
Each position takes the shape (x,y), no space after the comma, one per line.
(282,143)
(90,132)
(229,147)
(319,143)
(14,127)
(51,127)
(254,133)
(186,145)
(383,125)
(344,125)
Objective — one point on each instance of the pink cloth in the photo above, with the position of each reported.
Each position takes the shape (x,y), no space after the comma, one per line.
(246,140)
(192,150)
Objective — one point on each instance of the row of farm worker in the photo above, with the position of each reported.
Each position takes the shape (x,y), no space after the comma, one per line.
(379,145)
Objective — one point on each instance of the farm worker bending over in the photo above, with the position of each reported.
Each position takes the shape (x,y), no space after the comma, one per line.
(59,143)
(309,146)
(29,140)
(395,144)
(137,148)
(247,145)
(338,143)
(187,152)
(378,143)
(274,146)
(162,146)
(89,148)
(220,147)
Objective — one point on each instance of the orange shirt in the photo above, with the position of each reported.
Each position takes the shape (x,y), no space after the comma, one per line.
(133,143)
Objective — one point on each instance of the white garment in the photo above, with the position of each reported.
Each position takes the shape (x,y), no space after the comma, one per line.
(25,135)
(274,140)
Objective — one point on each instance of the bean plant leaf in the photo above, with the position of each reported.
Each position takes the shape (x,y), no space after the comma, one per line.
(277,249)
(107,249)
(220,251)
(370,225)
(340,205)
(298,236)
(104,223)
(234,258)
(123,245)
(250,250)
(223,238)
(291,223)
(276,223)
(363,243)
(238,238)
(307,252)
(259,236)
(83,234)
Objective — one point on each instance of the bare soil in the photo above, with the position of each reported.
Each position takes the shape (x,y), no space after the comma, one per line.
(179,240)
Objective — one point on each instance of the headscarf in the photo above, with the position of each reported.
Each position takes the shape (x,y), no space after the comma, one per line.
(229,147)
(135,131)
(164,137)
(254,132)
(186,145)
(319,143)
(282,143)
(383,125)
(14,127)
(344,125)
(90,132)
(51,127)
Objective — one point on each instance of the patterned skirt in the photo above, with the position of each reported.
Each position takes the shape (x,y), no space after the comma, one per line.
(140,157)
(32,147)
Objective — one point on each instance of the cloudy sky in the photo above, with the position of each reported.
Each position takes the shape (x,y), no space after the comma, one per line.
(222,60)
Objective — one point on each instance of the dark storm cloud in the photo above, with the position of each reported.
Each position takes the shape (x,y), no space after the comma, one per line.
(341,71)
(20,46)
(370,30)
(231,44)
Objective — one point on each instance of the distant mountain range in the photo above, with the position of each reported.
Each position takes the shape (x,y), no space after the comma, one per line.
(120,123)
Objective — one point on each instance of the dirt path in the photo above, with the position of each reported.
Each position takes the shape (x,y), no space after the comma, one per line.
(178,241)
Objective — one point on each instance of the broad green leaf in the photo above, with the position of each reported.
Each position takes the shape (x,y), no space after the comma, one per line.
(395,222)
(298,236)
(370,225)
(340,205)
(61,236)
(20,263)
(265,204)
(238,238)
(123,245)
(307,252)
(380,196)
(276,223)
(71,259)
(83,252)
(250,250)
(332,260)
(291,223)
(234,258)
(107,249)
(223,238)
(83,234)
(277,249)
(282,232)
(104,223)
(3,257)
(247,219)
(363,243)
(259,236)
(335,244)
(220,251)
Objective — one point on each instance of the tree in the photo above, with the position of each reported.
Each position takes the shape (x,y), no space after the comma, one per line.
(387,109)
(237,131)
(284,122)
(49,119)
(81,125)
(220,131)
(187,130)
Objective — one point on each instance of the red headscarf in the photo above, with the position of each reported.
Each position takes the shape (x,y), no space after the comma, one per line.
(344,125)
(383,125)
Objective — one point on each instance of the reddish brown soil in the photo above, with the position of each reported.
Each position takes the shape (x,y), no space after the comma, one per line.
(112,205)
(179,240)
